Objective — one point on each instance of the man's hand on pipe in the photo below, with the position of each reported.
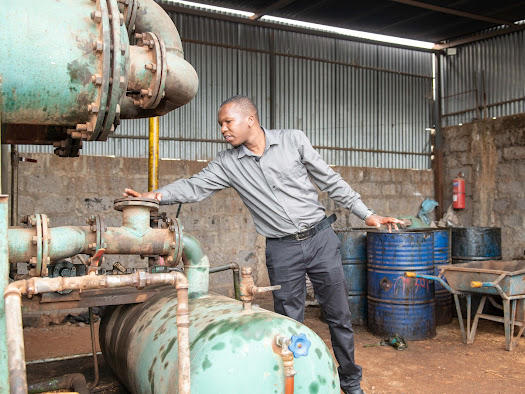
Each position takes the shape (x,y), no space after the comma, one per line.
(377,221)
(151,195)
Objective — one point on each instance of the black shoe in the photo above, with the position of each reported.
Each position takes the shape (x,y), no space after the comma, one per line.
(358,390)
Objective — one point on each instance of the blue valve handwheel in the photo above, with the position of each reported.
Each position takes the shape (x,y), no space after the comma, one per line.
(299,345)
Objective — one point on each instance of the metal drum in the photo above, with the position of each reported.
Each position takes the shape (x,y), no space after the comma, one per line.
(396,304)
(353,254)
(443,297)
(476,243)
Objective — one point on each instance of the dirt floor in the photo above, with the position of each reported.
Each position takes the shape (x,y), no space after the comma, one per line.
(439,365)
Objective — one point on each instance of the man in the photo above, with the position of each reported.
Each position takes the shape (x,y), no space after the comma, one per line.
(271,171)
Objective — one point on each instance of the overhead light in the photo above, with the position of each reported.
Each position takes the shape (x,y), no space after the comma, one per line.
(312,26)
(214,8)
(350,33)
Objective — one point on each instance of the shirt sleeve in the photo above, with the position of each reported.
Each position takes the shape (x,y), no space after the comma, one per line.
(211,179)
(328,180)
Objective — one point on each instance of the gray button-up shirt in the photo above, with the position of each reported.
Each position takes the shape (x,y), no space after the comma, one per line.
(275,186)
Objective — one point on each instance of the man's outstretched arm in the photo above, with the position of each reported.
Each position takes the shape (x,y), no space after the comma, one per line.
(340,191)
(197,188)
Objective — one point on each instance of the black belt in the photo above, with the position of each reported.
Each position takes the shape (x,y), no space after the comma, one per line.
(310,232)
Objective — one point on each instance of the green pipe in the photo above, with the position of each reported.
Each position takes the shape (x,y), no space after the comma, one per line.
(196,266)
(4,281)
(236,276)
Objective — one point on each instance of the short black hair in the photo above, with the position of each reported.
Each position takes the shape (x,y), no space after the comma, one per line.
(244,102)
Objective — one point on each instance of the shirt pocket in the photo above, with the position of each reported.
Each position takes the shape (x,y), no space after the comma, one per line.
(292,172)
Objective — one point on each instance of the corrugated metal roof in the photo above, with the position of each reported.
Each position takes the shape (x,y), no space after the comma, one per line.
(397,18)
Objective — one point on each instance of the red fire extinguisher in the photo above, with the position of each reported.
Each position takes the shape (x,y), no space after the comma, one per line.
(458,192)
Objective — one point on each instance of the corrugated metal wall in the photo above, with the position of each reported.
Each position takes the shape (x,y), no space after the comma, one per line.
(484,80)
(350,98)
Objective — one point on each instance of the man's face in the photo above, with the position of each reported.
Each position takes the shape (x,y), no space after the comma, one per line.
(235,123)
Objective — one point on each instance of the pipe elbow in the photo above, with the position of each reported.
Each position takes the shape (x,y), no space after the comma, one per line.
(176,81)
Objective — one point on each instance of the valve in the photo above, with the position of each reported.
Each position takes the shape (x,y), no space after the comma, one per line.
(299,345)
(248,288)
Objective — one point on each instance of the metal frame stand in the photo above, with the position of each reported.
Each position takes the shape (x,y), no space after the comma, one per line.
(509,319)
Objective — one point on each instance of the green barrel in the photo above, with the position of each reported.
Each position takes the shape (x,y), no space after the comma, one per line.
(231,351)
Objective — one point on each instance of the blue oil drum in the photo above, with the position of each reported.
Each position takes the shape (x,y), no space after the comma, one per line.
(443,297)
(353,254)
(397,304)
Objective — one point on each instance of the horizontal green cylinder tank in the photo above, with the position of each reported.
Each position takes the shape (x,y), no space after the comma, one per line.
(231,351)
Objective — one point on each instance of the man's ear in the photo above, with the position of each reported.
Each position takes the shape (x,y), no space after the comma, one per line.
(251,120)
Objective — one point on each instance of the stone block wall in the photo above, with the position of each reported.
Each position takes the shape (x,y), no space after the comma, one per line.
(491,154)
(68,190)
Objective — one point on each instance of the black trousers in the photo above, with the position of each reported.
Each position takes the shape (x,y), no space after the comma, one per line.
(288,261)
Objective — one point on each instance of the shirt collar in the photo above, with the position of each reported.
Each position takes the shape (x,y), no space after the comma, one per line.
(271,139)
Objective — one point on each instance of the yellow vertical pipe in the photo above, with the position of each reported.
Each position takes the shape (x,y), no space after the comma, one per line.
(153,165)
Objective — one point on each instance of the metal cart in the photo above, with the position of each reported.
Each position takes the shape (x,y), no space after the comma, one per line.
(489,278)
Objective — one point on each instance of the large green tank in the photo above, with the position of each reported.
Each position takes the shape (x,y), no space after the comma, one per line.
(232,351)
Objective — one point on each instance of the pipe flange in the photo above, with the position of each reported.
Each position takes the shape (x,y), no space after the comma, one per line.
(129,11)
(38,241)
(97,109)
(118,83)
(150,97)
(101,229)
(120,203)
(45,244)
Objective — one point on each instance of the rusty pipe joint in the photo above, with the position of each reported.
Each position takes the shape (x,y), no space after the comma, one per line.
(14,328)
(249,290)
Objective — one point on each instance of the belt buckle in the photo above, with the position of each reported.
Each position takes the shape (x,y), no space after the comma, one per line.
(301,236)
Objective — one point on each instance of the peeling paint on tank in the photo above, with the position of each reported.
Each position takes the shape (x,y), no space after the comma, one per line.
(313,388)
(319,353)
(218,346)
(170,345)
(206,364)
(79,72)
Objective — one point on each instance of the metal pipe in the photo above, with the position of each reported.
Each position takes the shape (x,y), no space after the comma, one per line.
(236,276)
(68,241)
(15,334)
(93,348)
(287,357)
(196,266)
(4,281)
(5,168)
(14,185)
(74,381)
(181,82)
(153,159)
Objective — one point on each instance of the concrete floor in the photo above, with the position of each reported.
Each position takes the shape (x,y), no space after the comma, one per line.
(439,365)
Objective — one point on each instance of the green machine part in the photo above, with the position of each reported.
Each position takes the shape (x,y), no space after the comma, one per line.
(61,65)
(68,72)
(231,350)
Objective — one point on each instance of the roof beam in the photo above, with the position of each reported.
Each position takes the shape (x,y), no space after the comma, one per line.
(452,11)
(269,8)
(479,37)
